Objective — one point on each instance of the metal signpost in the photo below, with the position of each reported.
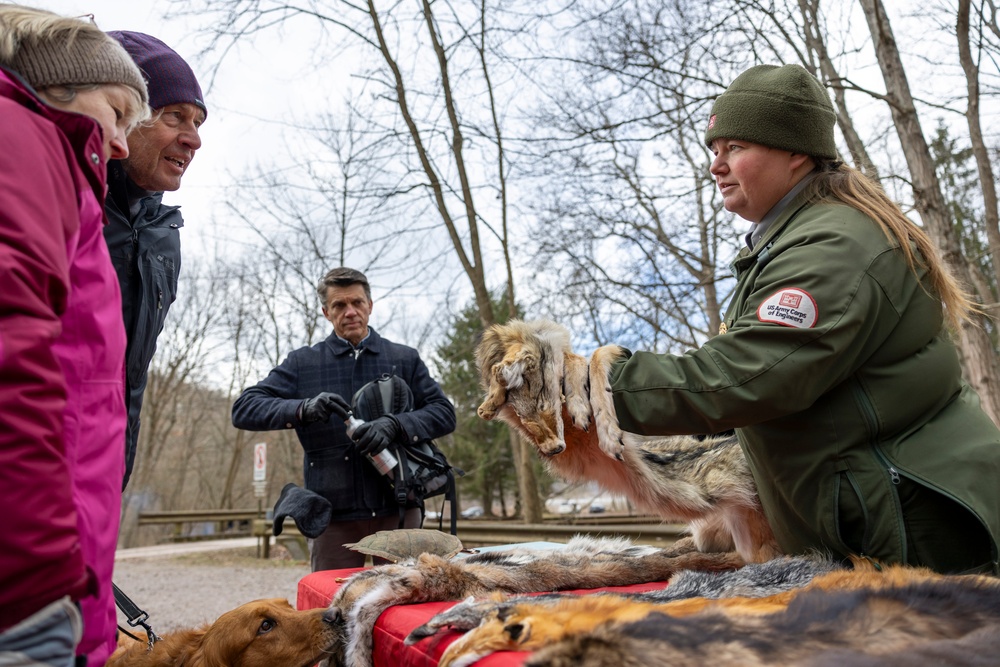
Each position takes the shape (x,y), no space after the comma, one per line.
(259,491)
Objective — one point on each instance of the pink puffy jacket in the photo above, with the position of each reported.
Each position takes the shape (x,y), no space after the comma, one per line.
(62,351)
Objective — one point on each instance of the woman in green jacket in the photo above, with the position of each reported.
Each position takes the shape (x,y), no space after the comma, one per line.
(833,363)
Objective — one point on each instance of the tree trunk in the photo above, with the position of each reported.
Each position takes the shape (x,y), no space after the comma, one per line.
(976,350)
(531,502)
(979,150)
(814,33)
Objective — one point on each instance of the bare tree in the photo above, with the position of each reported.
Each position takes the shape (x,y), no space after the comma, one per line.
(471,119)
(471,257)
(632,239)
(432,127)
(821,63)
(978,355)
(970,65)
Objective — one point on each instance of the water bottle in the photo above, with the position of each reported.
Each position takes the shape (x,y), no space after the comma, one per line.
(384,461)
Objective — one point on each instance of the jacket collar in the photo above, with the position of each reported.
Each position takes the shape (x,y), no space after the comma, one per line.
(121,187)
(761,252)
(760,229)
(372,344)
(81,131)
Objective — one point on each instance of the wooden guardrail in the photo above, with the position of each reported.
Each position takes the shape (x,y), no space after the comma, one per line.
(179,518)
(473,533)
(228,523)
(601,519)
(225,522)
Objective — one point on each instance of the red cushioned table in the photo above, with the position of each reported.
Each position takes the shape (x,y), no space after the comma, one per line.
(317,589)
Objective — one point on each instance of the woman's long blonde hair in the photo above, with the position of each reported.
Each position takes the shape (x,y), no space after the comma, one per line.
(843,183)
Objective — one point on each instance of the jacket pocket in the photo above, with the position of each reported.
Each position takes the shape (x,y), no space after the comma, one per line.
(851,519)
(330,473)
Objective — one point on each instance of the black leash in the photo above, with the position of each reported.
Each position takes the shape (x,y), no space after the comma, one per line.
(134,616)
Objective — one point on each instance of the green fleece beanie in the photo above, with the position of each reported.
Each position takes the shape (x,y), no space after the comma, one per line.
(781,107)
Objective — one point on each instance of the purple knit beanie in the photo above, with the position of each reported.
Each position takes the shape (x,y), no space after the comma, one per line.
(169,78)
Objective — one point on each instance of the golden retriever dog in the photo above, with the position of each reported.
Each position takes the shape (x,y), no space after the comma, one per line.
(562,403)
(262,633)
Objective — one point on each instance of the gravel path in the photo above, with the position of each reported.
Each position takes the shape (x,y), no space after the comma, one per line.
(184,590)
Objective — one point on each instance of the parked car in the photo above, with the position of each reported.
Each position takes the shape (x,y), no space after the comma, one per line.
(472,512)
(567,507)
(432,514)
(596,508)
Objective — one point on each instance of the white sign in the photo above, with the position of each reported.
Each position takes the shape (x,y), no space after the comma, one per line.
(260,462)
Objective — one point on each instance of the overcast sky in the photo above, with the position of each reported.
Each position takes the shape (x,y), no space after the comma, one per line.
(275,78)
(254,86)
(266,80)
(269,79)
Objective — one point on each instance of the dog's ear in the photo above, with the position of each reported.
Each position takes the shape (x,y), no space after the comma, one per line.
(231,634)
(186,648)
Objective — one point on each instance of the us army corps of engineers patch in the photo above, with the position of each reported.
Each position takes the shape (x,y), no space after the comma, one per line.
(790,307)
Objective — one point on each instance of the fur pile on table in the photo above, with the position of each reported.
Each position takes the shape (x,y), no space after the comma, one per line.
(717,609)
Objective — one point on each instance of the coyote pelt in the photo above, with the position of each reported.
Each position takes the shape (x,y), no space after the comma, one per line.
(583,563)
(930,615)
(563,405)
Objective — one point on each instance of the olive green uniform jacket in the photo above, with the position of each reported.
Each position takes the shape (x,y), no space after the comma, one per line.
(834,369)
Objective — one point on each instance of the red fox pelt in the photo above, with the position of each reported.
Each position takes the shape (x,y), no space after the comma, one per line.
(563,405)
(930,619)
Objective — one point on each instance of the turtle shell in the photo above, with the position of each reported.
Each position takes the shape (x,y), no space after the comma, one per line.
(403,543)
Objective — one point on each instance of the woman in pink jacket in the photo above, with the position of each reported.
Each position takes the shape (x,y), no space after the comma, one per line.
(62,342)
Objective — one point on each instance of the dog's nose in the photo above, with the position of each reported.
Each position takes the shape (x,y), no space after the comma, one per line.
(331,616)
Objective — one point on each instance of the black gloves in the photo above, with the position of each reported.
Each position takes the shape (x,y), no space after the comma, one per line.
(371,437)
(374,436)
(320,408)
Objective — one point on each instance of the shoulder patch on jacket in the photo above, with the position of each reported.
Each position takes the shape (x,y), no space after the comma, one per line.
(790,307)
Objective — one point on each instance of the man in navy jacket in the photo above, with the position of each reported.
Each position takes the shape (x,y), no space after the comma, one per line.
(311,391)
(143,234)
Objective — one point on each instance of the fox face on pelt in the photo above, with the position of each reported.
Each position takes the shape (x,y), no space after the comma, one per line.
(562,403)
(530,374)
